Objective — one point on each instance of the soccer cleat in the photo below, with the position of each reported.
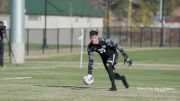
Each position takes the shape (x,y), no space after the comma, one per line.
(112,89)
(123,78)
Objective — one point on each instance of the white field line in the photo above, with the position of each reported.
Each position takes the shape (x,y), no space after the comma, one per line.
(99,63)
(15,78)
(57,64)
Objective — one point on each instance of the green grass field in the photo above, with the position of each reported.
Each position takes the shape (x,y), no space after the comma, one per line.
(154,76)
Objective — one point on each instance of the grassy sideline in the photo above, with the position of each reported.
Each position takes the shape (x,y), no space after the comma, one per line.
(47,80)
(138,55)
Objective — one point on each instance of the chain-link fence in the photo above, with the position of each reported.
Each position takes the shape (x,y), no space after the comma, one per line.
(58,40)
(145,36)
(66,40)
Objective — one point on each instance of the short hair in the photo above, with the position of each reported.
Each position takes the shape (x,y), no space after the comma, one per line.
(1,22)
(93,32)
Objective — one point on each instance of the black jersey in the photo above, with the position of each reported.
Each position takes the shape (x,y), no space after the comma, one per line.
(105,48)
(1,35)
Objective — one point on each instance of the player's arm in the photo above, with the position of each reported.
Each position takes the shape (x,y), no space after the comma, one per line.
(127,60)
(91,60)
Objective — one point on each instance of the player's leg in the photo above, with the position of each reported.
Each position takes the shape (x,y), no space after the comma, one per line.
(1,54)
(117,76)
(123,78)
(113,59)
(109,69)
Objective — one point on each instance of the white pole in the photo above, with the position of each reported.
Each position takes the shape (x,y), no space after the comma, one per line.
(17,30)
(160,10)
(82,41)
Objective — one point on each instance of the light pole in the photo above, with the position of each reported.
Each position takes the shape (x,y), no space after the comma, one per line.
(107,26)
(129,21)
(162,22)
(129,13)
(45,26)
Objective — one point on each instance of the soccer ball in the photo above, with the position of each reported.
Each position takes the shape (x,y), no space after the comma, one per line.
(88,79)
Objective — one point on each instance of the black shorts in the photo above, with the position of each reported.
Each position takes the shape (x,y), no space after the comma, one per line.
(111,58)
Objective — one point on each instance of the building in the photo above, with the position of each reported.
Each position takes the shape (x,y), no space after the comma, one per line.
(60,14)
(55,15)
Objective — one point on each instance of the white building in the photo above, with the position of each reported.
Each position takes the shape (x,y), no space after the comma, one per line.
(59,14)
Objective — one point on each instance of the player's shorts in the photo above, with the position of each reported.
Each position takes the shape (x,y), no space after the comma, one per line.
(111,58)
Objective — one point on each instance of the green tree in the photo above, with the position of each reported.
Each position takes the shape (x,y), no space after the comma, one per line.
(3,5)
(143,10)
(146,10)
(119,8)
(169,6)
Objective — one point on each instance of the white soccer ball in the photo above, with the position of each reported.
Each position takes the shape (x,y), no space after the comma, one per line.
(88,79)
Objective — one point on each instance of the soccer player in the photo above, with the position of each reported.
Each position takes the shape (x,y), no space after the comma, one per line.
(107,49)
(2,29)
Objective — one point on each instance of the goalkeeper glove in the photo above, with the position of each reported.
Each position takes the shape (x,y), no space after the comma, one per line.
(127,61)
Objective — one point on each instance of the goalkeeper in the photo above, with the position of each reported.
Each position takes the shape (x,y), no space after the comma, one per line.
(107,50)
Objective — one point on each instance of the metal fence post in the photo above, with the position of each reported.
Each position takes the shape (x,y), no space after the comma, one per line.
(141,34)
(43,44)
(130,37)
(120,36)
(71,39)
(179,37)
(9,46)
(58,31)
(151,36)
(27,44)
(84,39)
(170,38)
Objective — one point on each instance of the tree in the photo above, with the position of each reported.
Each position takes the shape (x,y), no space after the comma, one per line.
(143,10)
(119,8)
(169,6)
(3,5)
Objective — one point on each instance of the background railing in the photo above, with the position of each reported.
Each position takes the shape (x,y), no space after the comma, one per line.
(66,40)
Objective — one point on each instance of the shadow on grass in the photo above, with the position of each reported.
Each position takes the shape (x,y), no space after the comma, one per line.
(74,87)
(70,87)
